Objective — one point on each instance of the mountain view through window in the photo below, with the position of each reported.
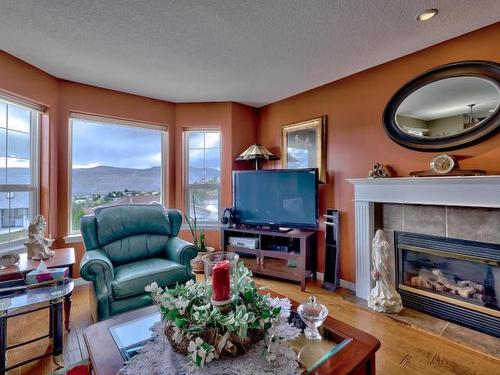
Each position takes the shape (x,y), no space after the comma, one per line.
(113,164)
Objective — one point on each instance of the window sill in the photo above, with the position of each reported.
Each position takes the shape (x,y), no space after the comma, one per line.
(77,237)
(19,249)
(205,226)
(73,238)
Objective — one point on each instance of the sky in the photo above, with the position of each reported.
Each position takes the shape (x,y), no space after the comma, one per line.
(96,144)
(118,146)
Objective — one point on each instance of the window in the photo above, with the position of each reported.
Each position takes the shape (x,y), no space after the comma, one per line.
(203,175)
(114,162)
(18,171)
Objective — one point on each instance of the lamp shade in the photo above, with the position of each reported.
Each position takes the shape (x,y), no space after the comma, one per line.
(257,151)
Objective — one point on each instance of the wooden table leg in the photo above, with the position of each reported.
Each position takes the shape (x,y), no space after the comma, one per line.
(56,314)
(3,341)
(67,311)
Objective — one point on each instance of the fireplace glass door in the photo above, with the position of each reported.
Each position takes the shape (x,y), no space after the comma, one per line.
(463,280)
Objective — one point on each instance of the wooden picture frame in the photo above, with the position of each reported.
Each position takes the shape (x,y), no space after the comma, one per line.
(303,145)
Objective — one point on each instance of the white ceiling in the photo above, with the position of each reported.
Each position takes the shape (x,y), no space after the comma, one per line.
(249,51)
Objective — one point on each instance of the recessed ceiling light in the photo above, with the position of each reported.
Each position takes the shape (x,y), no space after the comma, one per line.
(426,15)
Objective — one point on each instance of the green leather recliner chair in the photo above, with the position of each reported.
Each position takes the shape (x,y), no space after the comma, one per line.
(129,247)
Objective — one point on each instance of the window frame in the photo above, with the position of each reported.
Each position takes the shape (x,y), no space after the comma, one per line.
(35,149)
(164,130)
(187,186)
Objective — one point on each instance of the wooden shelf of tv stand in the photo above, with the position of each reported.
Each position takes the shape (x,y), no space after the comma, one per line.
(305,258)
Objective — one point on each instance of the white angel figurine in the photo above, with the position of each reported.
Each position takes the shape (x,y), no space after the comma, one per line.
(38,245)
(383,297)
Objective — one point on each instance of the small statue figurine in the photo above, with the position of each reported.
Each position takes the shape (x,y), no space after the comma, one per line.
(379,171)
(38,245)
(383,297)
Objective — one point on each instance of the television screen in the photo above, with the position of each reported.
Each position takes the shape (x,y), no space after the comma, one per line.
(281,197)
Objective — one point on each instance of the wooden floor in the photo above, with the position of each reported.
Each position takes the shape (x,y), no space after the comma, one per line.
(404,350)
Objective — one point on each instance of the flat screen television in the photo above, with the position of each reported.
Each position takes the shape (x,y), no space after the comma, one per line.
(276,198)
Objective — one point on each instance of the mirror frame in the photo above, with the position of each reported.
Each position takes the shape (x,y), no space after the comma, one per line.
(482,69)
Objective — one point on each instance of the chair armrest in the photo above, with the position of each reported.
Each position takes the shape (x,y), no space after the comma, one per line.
(181,251)
(96,266)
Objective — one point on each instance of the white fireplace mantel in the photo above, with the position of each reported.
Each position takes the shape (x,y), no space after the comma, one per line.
(475,191)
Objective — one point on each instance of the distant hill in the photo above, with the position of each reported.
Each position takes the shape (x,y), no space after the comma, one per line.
(104,179)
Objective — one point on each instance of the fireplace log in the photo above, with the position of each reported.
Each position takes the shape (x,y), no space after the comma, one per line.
(478,287)
(436,280)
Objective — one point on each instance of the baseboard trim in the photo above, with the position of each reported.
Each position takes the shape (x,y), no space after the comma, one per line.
(343,283)
(348,285)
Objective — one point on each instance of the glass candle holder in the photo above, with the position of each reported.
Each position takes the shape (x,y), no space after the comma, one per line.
(220,269)
(313,314)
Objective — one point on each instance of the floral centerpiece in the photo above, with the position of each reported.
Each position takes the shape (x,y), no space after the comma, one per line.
(203,332)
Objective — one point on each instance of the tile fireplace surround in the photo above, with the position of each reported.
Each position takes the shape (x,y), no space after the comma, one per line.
(456,207)
(449,209)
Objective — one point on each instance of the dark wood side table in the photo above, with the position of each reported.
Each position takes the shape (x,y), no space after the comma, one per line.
(33,299)
(65,257)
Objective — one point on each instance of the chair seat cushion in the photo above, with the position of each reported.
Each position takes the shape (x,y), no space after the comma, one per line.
(132,278)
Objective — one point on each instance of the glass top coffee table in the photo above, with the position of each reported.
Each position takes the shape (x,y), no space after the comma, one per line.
(29,300)
(343,350)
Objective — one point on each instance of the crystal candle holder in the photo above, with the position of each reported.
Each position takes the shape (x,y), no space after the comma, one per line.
(313,314)
(220,270)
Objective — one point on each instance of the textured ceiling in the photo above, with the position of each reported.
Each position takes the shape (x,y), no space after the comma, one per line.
(253,51)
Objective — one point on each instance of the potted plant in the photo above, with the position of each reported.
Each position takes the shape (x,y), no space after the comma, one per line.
(198,241)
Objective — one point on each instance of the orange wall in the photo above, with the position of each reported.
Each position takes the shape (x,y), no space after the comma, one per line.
(238,126)
(354,106)
(75,97)
(356,138)
(27,82)
(63,97)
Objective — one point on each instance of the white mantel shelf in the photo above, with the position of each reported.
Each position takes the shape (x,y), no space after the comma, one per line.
(475,191)
(470,191)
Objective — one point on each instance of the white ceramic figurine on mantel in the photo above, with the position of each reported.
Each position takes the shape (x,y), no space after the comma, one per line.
(383,297)
(38,245)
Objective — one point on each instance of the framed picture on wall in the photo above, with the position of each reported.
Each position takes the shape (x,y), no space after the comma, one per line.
(303,145)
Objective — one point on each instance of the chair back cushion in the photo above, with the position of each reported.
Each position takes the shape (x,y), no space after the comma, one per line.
(132,232)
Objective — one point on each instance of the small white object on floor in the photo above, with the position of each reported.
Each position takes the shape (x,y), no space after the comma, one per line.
(383,297)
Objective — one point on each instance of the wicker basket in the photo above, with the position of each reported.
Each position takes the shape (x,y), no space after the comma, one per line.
(234,346)
(197,263)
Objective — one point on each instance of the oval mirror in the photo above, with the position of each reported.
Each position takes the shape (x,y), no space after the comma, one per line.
(446,108)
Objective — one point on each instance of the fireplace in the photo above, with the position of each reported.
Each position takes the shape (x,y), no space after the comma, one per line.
(453,279)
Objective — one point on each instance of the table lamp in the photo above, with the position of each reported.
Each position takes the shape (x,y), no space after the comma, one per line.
(257,152)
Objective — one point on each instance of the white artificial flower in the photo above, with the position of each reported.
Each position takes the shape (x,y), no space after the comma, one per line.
(181,305)
(166,301)
(192,346)
(152,287)
(177,336)
(209,357)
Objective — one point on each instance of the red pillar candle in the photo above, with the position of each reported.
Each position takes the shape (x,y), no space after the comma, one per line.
(220,281)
